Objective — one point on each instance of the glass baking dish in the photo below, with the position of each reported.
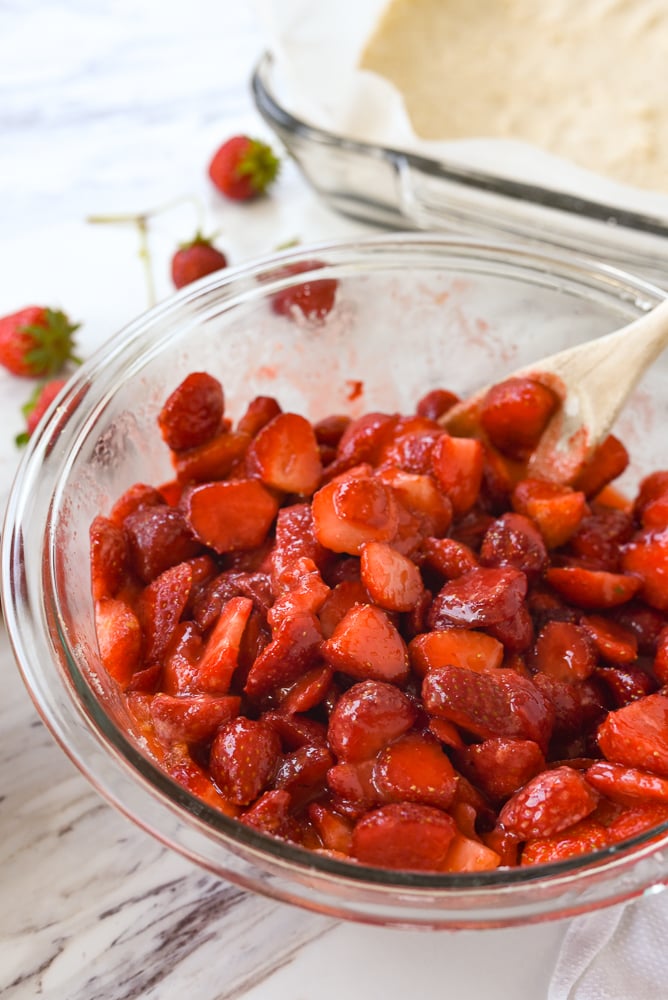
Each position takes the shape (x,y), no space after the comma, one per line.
(402,190)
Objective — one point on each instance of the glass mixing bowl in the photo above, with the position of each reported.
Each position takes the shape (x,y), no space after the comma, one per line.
(411,313)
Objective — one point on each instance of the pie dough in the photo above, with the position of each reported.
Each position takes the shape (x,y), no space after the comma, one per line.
(583,79)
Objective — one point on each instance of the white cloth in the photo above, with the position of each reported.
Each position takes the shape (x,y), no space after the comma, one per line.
(616,954)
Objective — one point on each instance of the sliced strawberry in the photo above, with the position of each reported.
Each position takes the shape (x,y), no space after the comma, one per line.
(221,652)
(303,592)
(365,644)
(499,703)
(392,580)
(504,844)
(119,638)
(303,773)
(334,830)
(193,412)
(478,598)
(259,412)
(515,413)
(646,557)
(270,814)
(556,510)
(182,768)
(548,804)
(367,717)
(446,733)
(158,537)
(352,510)
(564,651)
(627,785)
(660,664)
(582,838)
(626,684)
(137,496)
(608,462)
(407,836)
(414,768)
(292,651)
(213,459)
(191,718)
(296,731)
(515,633)
(295,540)
(109,558)
(457,647)
(352,787)
(577,706)
(307,691)
(457,464)
(181,663)
(513,540)
(411,446)
(284,455)
(162,604)
(244,759)
(330,430)
(651,504)
(230,515)
(500,766)
(612,641)
(600,537)
(362,441)
(636,820)
(637,734)
(590,588)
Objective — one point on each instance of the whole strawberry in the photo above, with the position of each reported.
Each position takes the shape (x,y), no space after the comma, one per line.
(243,168)
(37,405)
(194,259)
(36,341)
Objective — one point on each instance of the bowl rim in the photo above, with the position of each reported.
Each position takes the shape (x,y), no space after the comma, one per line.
(257,278)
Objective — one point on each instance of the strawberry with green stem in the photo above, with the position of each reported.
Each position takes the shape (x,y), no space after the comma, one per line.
(195,259)
(35,408)
(36,341)
(243,168)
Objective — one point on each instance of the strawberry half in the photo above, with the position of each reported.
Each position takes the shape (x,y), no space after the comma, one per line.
(243,168)
(36,341)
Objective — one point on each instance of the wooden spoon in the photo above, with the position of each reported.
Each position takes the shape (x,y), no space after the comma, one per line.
(593,380)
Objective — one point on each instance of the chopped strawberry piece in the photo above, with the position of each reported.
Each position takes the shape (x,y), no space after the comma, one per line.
(590,588)
(392,580)
(294,646)
(221,652)
(411,446)
(193,412)
(181,664)
(158,537)
(556,510)
(296,731)
(636,820)
(304,592)
(478,598)
(363,439)
(365,644)
(119,638)
(457,647)
(303,773)
(626,684)
(500,766)
(513,540)
(162,604)
(270,814)
(627,785)
(608,462)
(660,664)
(436,403)
(295,539)
(457,464)
(244,759)
(600,537)
(577,706)
(334,830)
(137,496)
(446,733)
(353,510)
(420,495)
(449,557)
(504,844)
(259,412)
(182,768)
(230,515)
(191,718)
(284,455)
(367,717)
(499,703)
(582,838)
(646,557)
(637,734)
(352,786)
(653,490)
(468,854)
(338,603)
(515,633)
(564,651)
(409,836)
(213,459)
(109,558)
(515,413)
(414,768)
(549,803)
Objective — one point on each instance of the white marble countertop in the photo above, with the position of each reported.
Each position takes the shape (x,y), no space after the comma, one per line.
(111,106)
